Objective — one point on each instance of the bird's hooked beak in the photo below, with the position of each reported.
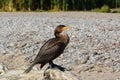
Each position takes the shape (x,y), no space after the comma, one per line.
(65,28)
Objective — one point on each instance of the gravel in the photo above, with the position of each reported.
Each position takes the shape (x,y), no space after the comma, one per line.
(94,37)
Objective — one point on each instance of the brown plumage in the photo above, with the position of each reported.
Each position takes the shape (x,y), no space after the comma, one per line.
(52,48)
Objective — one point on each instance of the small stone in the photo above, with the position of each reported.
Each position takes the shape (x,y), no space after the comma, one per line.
(3,69)
(56,74)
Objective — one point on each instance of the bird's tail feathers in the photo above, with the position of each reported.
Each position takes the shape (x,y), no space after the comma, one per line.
(29,68)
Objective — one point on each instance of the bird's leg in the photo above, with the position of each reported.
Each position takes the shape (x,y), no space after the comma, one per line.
(51,64)
(41,66)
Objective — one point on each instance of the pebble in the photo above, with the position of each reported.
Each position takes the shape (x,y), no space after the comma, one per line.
(3,69)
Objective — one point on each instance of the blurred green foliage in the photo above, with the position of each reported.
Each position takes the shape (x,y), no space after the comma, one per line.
(96,10)
(58,5)
(105,8)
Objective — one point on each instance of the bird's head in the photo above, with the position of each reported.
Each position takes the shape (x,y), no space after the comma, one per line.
(61,28)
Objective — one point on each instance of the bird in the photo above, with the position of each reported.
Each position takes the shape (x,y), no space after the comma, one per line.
(52,49)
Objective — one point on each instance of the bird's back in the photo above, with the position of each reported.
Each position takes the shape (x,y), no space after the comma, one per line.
(50,50)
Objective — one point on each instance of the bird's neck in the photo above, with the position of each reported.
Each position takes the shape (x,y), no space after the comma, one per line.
(57,34)
(62,37)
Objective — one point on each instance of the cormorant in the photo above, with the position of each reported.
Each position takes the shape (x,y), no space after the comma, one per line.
(52,48)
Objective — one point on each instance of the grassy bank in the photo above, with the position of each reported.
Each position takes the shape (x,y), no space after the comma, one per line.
(59,5)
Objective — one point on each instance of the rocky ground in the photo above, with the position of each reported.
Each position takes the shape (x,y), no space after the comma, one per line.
(92,54)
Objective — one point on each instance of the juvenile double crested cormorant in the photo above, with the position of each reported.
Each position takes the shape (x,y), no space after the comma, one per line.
(52,48)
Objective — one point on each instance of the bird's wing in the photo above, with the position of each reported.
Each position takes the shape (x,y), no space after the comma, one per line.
(51,49)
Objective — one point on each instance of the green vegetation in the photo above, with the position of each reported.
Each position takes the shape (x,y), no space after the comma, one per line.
(105,8)
(116,10)
(59,5)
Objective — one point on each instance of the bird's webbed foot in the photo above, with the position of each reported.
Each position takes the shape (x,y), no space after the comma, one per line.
(52,65)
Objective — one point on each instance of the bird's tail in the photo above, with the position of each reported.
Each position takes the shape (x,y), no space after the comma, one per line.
(29,68)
